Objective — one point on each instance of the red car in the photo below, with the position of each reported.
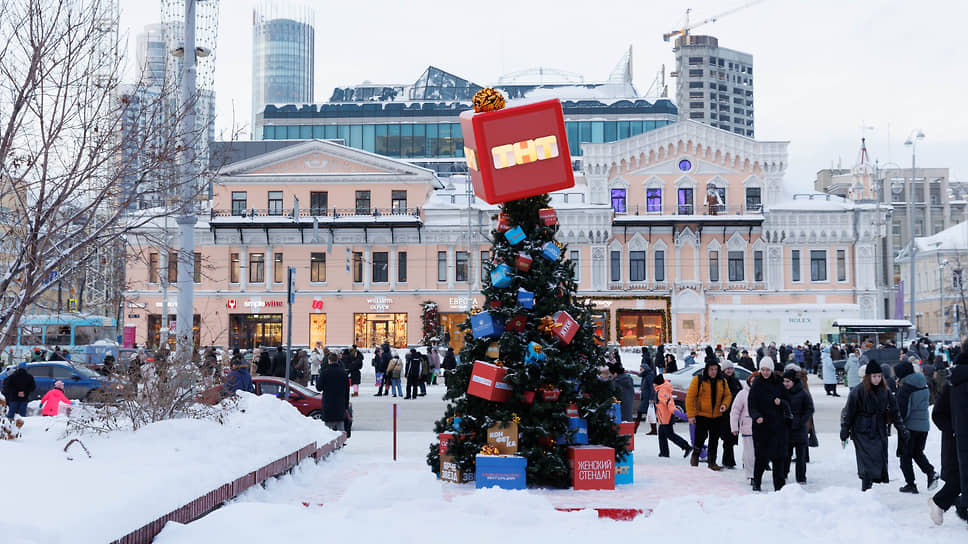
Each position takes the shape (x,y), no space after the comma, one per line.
(307,401)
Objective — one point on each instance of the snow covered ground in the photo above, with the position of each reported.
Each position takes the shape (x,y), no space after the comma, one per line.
(362,495)
(134,477)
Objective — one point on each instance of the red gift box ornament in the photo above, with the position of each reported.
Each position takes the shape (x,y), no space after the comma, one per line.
(548,216)
(503,222)
(516,152)
(567,326)
(516,324)
(523,261)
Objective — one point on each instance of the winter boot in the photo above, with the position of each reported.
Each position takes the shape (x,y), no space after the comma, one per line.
(932,480)
(866,484)
(937,514)
(635,429)
(714,467)
(909,488)
(694,461)
(653,431)
(686,452)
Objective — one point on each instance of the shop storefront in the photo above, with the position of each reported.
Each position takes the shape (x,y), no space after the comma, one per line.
(248,331)
(373,329)
(317,329)
(451,335)
(641,327)
(154,329)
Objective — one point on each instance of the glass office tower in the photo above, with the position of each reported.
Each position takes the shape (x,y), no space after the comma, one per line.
(283,45)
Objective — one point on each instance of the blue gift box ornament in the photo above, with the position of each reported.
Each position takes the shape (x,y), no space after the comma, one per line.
(501,276)
(580,437)
(525,298)
(486,324)
(515,236)
(457,424)
(616,412)
(535,354)
(550,251)
(503,471)
(625,470)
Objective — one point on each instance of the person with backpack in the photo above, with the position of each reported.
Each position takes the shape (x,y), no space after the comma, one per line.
(394,369)
(912,404)
(707,400)
(413,373)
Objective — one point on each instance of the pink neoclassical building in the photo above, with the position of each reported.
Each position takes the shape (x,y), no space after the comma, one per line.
(684,234)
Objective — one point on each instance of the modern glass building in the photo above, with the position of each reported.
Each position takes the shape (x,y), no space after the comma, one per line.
(420,122)
(283,46)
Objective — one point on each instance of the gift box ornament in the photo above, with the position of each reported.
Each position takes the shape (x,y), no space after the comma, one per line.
(592,467)
(548,216)
(627,428)
(493,350)
(456,423)
(528,397)
(550,394)
(625,470)
(487,382)
(486,324)
(450,473)
(446,438)
(616,412)
(517,323)
(580,434)
(550,251)
(572,410)
(525,298)
(535,354)
(515,236)
(523,262)
(503,471)
(501,276)
(567,326)
(504,436)
(503,222)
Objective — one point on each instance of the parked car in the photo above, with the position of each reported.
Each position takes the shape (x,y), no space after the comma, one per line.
(307,401)
(680,381)
(79,382)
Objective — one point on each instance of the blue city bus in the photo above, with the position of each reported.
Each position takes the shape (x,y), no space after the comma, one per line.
(73,332)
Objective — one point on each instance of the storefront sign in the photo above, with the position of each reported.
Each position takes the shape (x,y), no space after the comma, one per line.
(598,303)
(264,304)
(317,304)
(379,304)
(134,316)
(231,304)
(171,304)
(460,303)
(141,305)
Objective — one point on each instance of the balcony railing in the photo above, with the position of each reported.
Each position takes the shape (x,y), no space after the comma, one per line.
(320,212)
(690,209)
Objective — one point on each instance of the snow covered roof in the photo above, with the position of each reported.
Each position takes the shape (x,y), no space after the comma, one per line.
(954,237)
(814,202)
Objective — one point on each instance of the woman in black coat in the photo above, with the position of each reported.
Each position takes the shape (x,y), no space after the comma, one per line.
(951,473)
(870,408)
(768,404)
(801,407)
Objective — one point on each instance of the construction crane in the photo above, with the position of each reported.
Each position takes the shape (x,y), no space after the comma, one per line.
(684,31)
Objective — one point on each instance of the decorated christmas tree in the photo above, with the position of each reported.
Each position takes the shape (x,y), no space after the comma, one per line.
(430,318)
(535,331)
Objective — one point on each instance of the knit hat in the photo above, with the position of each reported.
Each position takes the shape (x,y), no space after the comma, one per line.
(873,368)
(791,375)
(727,364)
(766,362)
(713,361)
(658,380)
(58,385)
(903,369)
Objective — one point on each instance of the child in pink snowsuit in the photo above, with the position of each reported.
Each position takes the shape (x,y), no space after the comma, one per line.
(52,400)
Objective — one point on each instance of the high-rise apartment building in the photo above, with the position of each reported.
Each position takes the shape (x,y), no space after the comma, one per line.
(715,84)
(283,45)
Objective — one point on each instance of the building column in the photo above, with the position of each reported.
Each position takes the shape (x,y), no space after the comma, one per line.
(367,267)
(271,265)
(392,267)
(451,266)
(243,267)
(597,268)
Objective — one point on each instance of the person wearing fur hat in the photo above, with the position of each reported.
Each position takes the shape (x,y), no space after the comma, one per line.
(53,399)
(950,415)
(767,404)
(801,407)
(665,407)
(912,404)
(707,400)
(870,407)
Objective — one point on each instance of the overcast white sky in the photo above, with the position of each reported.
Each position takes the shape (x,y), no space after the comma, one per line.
(822,68)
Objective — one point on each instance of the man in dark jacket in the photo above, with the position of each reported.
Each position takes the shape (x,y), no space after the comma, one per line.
(17,388)
(646,375)
(801,407)
(729,441)
(624,389)
(951,471)
(239,378)
(335,386)
(412,373)
(912,404)
(279,362)
(746,361)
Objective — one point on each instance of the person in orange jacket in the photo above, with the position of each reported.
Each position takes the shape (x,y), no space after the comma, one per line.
(52,400)
(706,402)
(665,408)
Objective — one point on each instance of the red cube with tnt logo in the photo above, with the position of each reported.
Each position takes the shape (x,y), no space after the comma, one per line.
(517,152)
(568,326)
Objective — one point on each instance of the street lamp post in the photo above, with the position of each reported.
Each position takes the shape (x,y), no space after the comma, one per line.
(913,142)
(944,263)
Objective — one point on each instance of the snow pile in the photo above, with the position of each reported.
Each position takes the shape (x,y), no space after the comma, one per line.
(134,477)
